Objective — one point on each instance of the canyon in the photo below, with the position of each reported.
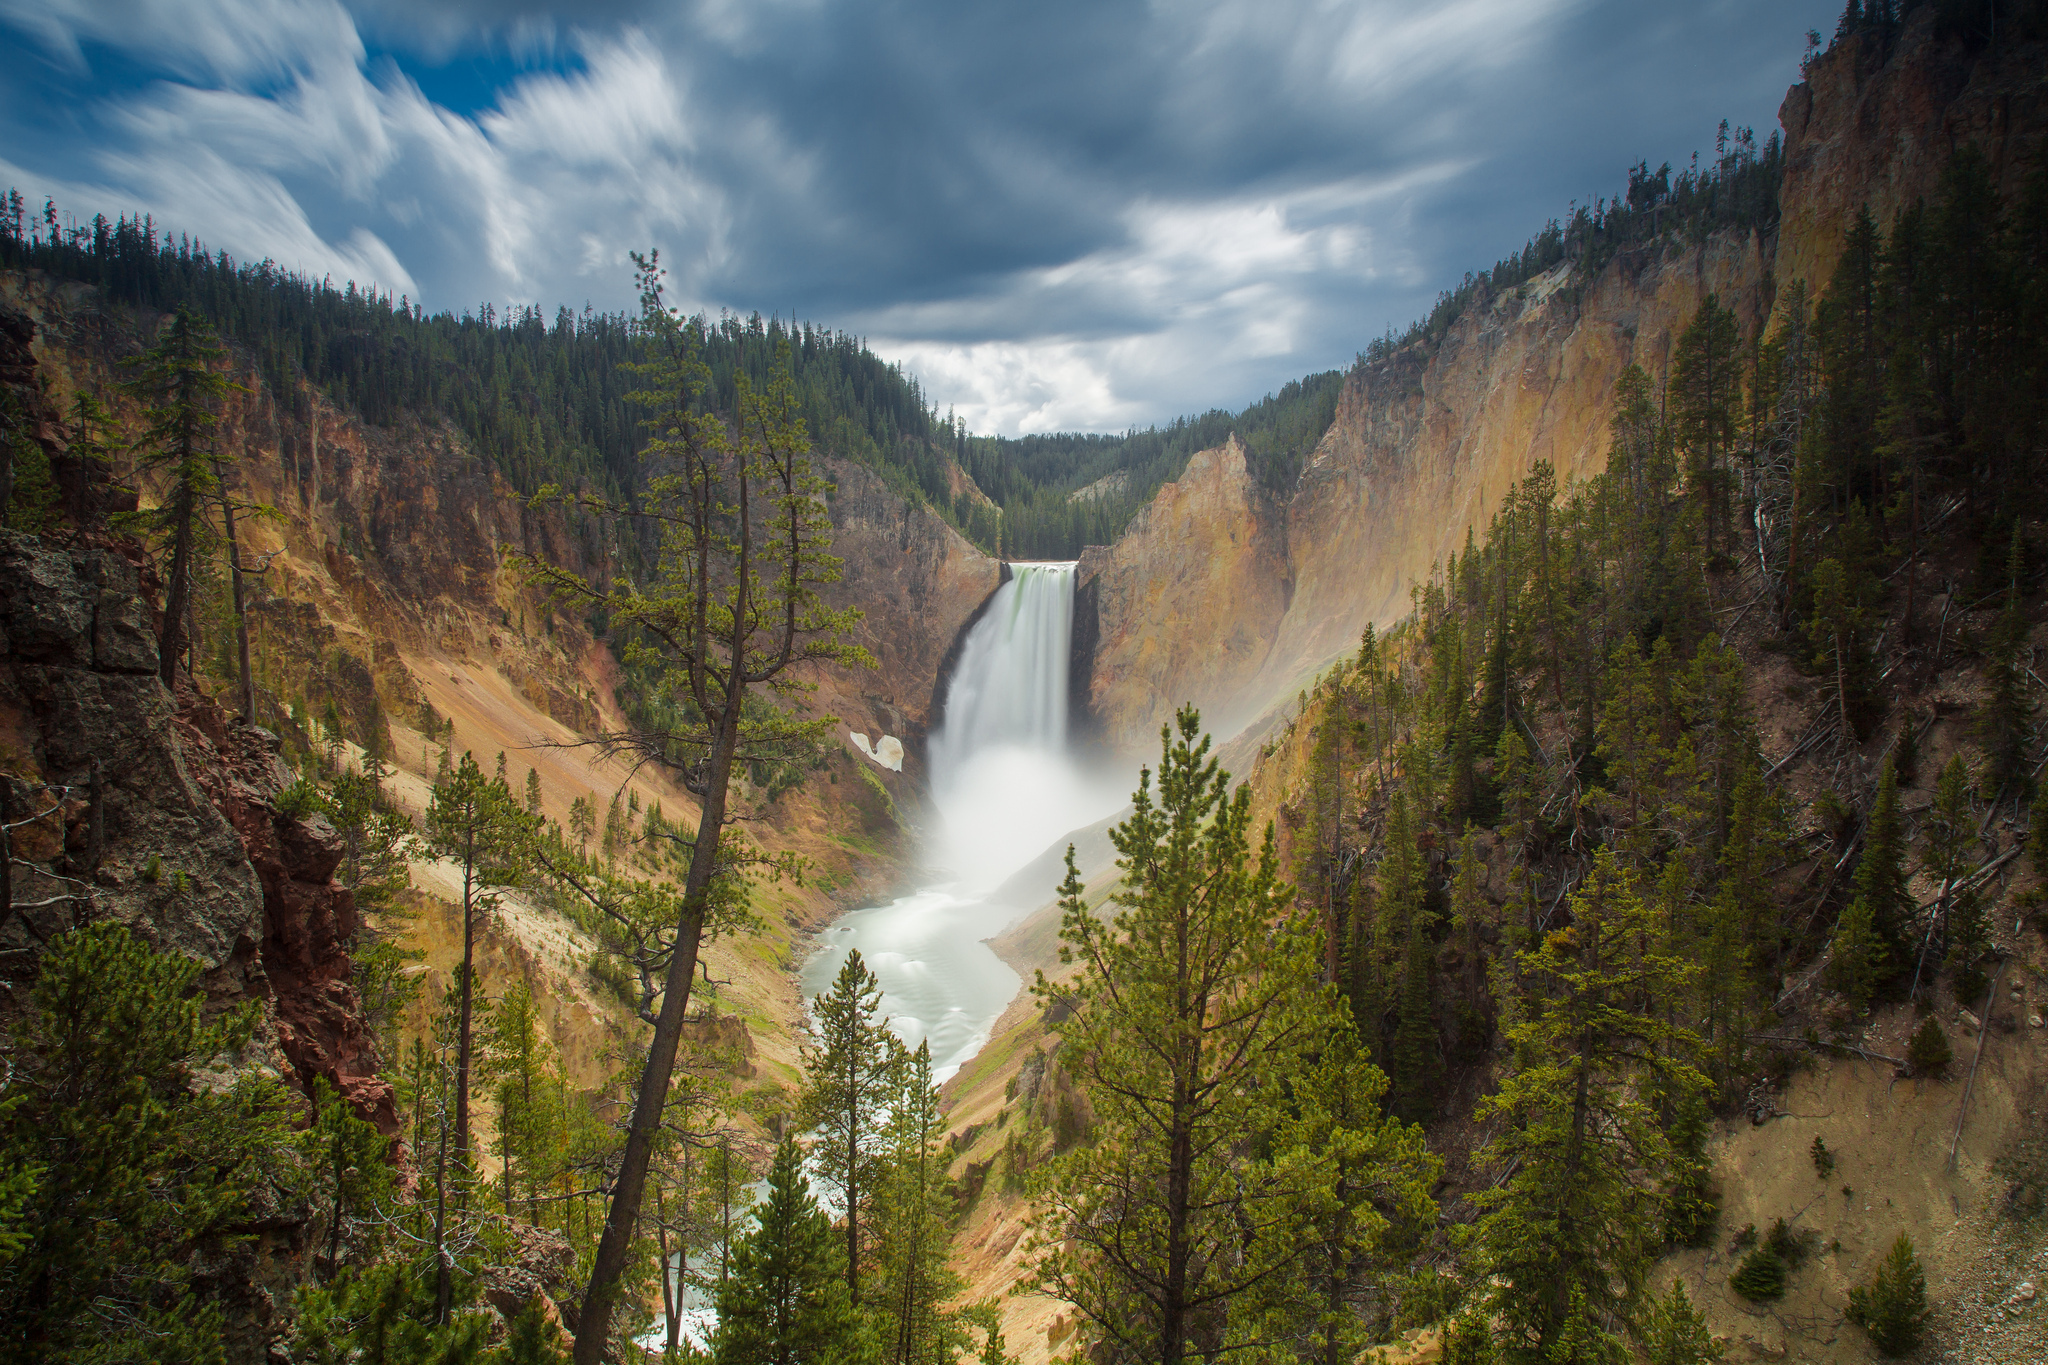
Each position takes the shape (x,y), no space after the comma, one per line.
(392,590)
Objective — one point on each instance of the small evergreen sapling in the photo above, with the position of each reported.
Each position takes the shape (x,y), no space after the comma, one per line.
(1677,1332)
(1761,1276)
(1892,1307)
(1929,1052)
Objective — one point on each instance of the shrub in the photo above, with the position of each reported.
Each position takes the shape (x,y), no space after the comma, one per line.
(1823,1159)
(126,1178)
(1469,1341)
(1761,1276)
(1892,1308)
(300,800)
(1929,1053)
(1677,1332)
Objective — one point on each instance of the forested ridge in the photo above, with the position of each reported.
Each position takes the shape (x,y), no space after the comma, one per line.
(543,397)
(1555,864)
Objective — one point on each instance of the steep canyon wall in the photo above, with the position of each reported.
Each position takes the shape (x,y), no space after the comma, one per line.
(1223,596)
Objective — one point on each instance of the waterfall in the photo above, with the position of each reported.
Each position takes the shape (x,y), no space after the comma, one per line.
(1010,684)
(1004,788)
(1002,778)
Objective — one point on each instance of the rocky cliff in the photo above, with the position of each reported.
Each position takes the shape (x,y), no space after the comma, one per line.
(916,581)
(184,841)
(1426,441)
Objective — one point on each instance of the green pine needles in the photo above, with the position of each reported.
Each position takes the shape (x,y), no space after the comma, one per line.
(1892,1306)
(123,1175)
(1206,1214)
(786,1300)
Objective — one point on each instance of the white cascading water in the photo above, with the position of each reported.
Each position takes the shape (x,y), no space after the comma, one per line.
(1006,786)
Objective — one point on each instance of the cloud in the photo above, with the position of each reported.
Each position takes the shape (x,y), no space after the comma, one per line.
(1080,213)
(231,41)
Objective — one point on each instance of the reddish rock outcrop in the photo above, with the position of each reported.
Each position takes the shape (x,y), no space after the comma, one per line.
(308,921)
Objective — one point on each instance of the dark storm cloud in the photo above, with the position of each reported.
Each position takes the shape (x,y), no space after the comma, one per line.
(1059,214)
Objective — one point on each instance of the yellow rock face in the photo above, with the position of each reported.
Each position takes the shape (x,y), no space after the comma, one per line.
(1183,606)
(1220,596)
(1425,445)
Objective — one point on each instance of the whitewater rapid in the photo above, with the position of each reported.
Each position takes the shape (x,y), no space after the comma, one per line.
(1006,785)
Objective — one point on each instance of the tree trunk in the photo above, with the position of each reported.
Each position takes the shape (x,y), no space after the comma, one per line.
(466,998)
(853,1185)
(248,681)
(443,1285)
(177,589)
(671,1291)
(594,1324)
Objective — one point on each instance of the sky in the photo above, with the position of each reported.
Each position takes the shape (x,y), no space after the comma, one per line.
(1057,214)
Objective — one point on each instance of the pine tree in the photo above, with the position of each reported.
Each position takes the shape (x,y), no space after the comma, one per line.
(1892,1307)
(1189,1016)
(474,821)
(1958,923)
(786,1301)
(1399,956)
(914,1280)
(1705,383)
(731,615)
(582,822)
(1376,1208)
(28,494)
(849,1078)
(533,1340)
(2002,721)
(354,1164)
(1472,919)
(1568,1237)
(376,843)
(1691,1204)
(524,1071)
(1414,1053)
(1860,959)
(1837,628)
(1320,859)
(136,1169)
(1928,1052)
(1520,778)
(180,380)
(1881,872)
(1677,1333)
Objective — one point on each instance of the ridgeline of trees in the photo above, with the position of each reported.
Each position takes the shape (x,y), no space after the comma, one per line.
(543,398)
(1562,705)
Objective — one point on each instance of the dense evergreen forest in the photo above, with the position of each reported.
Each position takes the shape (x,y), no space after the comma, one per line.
(543,398)
(1539,826)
